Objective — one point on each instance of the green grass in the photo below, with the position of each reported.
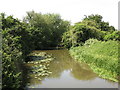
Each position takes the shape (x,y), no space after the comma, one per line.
(101,56)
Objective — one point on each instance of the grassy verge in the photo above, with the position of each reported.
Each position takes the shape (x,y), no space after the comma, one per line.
(102,57)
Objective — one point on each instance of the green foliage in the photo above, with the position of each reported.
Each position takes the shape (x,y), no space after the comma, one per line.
(104,26)
(15,47)
(91,41)
(90,27)
(113,36)
(20,38)
(41,31)
(40,65)
(101,56)
(81,32)
(45,29)
(10,55)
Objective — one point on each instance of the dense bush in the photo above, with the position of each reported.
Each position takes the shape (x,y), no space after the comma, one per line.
(11,76)
(90,42)
(15,47)
(18,29)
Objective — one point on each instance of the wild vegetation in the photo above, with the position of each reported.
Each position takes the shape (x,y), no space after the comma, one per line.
(37,31)
(96,43)
(101,56)
(38,65)
(12,52)
(91,27)
(41,31)
(45,29)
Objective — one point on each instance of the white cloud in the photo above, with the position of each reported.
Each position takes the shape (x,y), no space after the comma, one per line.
(73,10)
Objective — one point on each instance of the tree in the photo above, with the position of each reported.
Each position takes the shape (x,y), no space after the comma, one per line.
(90,27)
(81,32)
(104,26)
(46,29)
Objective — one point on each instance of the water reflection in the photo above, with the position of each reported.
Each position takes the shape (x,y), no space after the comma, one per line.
(65,62)
(65,70)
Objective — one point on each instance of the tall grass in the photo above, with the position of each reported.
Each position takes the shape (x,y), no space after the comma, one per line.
(101,56)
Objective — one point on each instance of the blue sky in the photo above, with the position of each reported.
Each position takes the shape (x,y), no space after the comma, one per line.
(72,10)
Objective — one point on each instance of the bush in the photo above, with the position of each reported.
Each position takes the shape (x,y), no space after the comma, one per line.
(11,54)
(91,41)
(15,47)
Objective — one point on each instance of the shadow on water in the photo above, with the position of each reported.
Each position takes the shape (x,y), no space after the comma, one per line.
(32,58)
(25,73)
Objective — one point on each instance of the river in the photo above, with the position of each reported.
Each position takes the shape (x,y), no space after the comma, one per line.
(68,73)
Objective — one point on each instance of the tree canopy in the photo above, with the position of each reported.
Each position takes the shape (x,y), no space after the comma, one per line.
(90,27)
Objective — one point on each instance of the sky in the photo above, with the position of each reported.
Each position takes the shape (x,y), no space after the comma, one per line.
(71,10)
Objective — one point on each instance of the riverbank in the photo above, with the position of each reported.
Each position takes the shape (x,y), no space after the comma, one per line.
(101,56)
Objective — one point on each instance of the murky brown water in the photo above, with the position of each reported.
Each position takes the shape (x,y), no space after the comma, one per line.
(68,73)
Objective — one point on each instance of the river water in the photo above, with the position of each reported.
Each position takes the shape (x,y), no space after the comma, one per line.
(68,73)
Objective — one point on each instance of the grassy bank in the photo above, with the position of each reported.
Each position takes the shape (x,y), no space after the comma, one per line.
(101,56)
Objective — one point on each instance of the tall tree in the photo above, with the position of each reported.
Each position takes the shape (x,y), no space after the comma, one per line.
(47,29)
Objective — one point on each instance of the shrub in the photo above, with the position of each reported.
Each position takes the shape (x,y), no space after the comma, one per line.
(91,41)
(11,54)
(15,47)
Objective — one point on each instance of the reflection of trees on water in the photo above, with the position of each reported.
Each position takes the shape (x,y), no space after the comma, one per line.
(65,62)
(82,73)
(61,63)
(34,81)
